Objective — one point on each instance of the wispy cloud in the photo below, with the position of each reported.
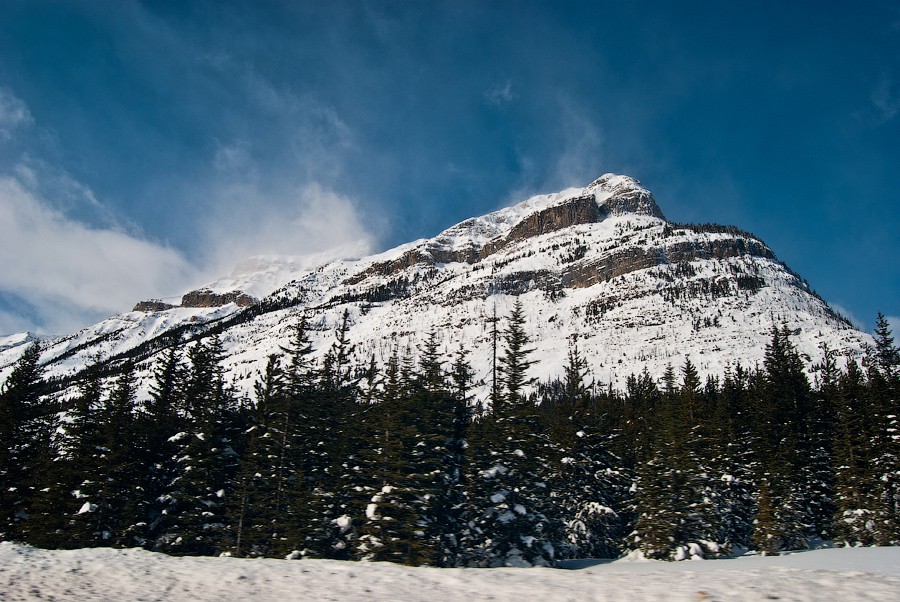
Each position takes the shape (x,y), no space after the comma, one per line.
(501,93)
(284,205)
(301,219)
(894,322)
(69,272)
(66,259)
(885,99)
(842,310)
(65,273)
(13,114)
(582,145)
(259,213)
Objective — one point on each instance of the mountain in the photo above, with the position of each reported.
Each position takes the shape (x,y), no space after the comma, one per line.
(599,266)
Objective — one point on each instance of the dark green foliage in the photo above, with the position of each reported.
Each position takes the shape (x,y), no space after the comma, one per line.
(884,391)
(855,482)
(205,460)
(678,490)
(347,461)
(109,500)
(512,520)
(786,446)
(159,425)
(259,515)
(24,438)
(514,363)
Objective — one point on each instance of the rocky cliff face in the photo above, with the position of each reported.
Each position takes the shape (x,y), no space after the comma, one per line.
(207,298)
(606,196)
(598,265)
(197,299)
(151,306)
(624,195)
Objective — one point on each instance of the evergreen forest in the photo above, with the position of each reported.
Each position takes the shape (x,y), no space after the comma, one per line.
(398,462)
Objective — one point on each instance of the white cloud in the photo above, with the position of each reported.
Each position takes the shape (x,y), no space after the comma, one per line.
(70,273)
(13,114)
(309,219)
(65,274)
(288,209)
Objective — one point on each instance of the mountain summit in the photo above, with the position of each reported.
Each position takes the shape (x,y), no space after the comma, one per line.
(598,266)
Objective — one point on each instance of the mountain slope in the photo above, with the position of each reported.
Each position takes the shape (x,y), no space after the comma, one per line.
(599,266)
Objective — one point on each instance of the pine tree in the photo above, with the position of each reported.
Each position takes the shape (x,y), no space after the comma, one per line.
(111,499)
(855,483)
(260,517)
(592,492)
(677,495)
(512,521)
(22,438)
(642,401)
(403,474)
(886,355)
(575,370)
(733,462)
(206,461)
(514,364)
(161,425)
(784,442)
(72,459)
(330,511)
(884,390)
(430,371)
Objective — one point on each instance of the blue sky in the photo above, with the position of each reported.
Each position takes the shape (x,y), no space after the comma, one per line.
(145,147)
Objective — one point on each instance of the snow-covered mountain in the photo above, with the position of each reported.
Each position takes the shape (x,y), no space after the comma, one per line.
(600,266)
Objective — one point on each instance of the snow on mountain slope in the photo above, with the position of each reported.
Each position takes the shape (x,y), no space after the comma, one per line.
(262,275)
(598,266)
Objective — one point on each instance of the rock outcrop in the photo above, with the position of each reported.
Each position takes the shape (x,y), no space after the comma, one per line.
(152,305)
(208,298)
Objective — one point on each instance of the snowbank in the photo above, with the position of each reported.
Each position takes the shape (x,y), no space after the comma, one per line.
(104,574)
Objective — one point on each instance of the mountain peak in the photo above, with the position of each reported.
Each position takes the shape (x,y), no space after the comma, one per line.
(609,195)
(599,263)
(623,194)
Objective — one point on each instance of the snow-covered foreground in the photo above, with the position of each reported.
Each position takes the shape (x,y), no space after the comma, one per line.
(121,575)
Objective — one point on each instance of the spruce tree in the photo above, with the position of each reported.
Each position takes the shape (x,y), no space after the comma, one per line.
(513,521)
(111,511)
(884,391)
(404,474)
(162,424)
(677,495)
(733,462)
(260,517)
(332,510)
(855,482)
(206,460)
(71,460)
(514,363)
(22,438)
(784,445)
(591,489)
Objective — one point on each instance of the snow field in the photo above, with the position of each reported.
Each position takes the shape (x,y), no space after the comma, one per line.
(845,574)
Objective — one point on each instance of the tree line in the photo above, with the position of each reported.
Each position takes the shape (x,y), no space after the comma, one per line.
(331,459)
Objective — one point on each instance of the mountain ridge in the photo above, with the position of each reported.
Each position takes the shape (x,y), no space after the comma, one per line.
(599,265)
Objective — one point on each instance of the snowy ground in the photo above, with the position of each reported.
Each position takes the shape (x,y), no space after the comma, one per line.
(123,575)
